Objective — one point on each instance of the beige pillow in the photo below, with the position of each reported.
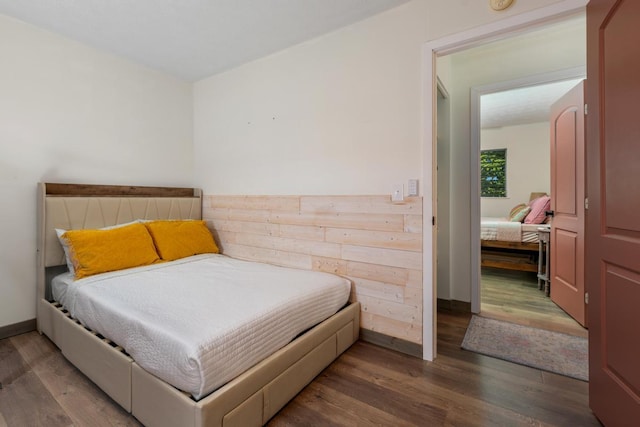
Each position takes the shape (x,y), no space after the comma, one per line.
(516,209)
(520,215)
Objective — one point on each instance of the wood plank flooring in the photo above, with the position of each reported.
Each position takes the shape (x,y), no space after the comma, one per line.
(514,296)
(367,385)
(41,388)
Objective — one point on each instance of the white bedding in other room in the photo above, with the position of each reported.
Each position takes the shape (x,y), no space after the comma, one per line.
(530,232)
(500,229)
(200,321)
(506,231)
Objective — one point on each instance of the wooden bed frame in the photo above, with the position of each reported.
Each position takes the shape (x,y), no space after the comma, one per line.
(521,256)
(250,399)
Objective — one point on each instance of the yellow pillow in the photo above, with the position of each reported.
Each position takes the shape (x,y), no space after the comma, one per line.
(180,239)
(99,251)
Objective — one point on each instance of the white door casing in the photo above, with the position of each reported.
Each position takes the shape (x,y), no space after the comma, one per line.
(430,51)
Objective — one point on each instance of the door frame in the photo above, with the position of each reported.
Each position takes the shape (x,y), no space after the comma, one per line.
(430,51)
(476,93)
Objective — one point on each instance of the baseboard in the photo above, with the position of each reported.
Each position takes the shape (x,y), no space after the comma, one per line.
(392,343)
(454,306)
(17,328)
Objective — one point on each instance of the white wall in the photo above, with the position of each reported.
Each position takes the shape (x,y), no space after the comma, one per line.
(340,114)
(443,177)
(69,113)
(539,52)
(336,115)
(528,164)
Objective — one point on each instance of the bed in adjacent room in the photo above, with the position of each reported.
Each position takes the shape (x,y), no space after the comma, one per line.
(176,333)
(511,242)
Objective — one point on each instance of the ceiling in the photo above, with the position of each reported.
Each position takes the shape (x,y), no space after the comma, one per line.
(193,39)
(520,106)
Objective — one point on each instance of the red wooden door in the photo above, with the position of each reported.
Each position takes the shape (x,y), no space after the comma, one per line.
(613,217)
(567,202)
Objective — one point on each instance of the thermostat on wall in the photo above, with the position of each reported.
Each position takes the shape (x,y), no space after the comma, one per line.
(412,188)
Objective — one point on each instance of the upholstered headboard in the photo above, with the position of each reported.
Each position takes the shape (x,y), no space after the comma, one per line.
(74,206)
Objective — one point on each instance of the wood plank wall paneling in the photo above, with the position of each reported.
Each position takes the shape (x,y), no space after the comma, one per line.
(373,242)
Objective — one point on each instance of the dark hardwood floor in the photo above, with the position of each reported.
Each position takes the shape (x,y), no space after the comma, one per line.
(514,296)
(367,385)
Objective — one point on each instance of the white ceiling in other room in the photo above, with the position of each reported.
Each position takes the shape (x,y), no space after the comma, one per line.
(523,105)
(193,39)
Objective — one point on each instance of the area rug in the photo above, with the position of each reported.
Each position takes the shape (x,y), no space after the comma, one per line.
(550,351)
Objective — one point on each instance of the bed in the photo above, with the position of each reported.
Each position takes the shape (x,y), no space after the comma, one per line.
(510,243)
(254,389)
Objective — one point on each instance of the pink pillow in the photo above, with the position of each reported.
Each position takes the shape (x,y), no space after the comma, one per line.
(538,207)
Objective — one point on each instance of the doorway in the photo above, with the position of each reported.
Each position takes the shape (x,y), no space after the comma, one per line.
(514,123)
(476,71)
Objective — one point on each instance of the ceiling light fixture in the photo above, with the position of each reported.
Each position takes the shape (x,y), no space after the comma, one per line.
(500,4)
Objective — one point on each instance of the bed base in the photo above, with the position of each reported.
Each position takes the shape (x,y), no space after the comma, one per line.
(251,399)
(520,256)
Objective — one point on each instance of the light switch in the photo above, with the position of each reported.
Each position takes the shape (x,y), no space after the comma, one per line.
(397,193)
(412,189)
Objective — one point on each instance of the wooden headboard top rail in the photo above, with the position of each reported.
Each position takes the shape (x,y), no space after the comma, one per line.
(70,190)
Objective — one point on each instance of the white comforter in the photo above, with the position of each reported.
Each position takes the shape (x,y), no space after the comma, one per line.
(500,229)
(198,322)
(507,231)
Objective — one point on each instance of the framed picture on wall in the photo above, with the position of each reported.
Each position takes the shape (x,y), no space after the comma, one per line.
(493,173)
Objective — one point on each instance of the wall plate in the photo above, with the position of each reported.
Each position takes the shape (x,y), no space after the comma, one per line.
(397,193)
